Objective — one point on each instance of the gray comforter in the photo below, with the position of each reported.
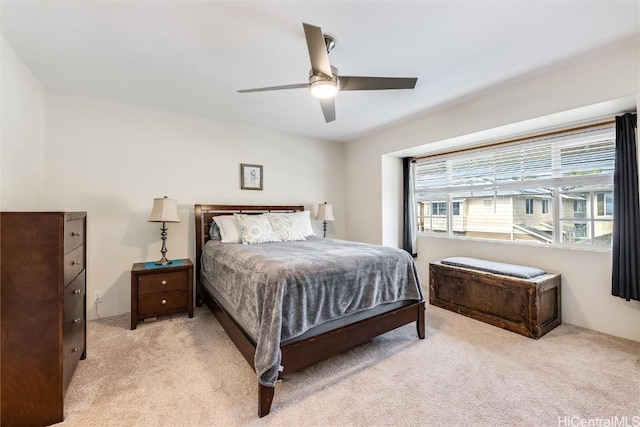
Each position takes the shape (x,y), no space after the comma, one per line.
(280,290)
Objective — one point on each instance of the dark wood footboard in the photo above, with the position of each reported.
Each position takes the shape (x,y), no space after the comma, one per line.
(530,307)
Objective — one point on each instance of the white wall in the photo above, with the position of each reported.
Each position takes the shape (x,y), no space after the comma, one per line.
(580,89)
(21,134)
(112,159)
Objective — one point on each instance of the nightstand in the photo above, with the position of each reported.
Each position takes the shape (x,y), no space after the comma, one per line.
(158,290)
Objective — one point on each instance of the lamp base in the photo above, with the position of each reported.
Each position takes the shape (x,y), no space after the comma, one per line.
(163,251)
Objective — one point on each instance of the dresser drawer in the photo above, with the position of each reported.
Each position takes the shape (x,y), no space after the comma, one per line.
(162,303)
(73,341)
(74,329)
(72,349)
(73,234)
(74,299)
(73,264)
(160,282)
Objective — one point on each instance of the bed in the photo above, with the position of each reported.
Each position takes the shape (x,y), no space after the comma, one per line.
(274,337)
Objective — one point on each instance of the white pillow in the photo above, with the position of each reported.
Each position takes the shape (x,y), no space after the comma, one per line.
(286,226)
(304,223)
(256,229)
(229,229)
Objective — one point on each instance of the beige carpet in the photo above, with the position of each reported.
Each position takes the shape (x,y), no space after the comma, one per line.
(186,372)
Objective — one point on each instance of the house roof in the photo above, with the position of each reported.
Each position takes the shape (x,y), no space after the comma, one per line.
(191,57)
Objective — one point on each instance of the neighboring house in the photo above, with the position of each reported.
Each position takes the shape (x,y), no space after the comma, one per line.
(522,217)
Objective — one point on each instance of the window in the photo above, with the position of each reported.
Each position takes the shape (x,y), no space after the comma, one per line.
(579,230)
(604,204)
(492,192)
(579,207)
(456,208)
(529,207)
(432,216)
(439,208)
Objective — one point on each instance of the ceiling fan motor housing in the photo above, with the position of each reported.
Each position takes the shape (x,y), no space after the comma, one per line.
(322,77)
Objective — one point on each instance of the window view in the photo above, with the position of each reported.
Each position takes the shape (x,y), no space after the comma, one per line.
(552,191)
(528,206)
(605,203)
(544,205)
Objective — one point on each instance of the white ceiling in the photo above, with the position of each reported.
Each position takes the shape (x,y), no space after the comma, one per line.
(191,57)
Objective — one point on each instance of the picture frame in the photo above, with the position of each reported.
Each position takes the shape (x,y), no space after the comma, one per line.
(251,177)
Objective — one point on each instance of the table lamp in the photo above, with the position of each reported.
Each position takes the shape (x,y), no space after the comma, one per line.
(164,210)
(325,213)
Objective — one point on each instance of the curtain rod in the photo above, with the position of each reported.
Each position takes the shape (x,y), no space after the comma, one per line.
(512,141)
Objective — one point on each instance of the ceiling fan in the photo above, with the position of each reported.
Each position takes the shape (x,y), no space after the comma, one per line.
(324,80)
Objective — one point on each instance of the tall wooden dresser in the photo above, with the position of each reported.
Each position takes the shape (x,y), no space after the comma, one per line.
(43,312)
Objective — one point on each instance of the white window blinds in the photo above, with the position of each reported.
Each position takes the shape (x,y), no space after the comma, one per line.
(538,163)
(551,190)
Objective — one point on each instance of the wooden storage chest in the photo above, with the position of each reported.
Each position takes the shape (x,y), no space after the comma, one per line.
(530,307)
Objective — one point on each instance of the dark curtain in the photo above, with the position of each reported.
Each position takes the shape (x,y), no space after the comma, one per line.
(408,226)
(626,212)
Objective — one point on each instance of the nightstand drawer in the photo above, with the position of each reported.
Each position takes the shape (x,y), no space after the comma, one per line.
(161,303)
(161,282)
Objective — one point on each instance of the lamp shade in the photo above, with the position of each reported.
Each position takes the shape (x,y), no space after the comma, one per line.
(325,212)
(164,210)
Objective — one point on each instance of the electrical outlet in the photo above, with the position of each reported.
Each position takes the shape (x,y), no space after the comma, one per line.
(97,297)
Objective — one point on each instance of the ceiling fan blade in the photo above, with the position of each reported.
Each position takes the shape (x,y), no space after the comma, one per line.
(328,109)
(376,83)
(317,50)
(264,89)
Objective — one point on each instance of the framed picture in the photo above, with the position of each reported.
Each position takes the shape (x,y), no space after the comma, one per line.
(250,177)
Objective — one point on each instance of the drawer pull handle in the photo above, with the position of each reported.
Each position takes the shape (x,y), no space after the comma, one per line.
(75,262)
(164,301)
(75,350)
(164,282)
(77,291)
(73,234)
(76,320)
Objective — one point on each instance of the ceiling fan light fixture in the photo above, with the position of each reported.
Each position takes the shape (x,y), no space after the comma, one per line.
(325,81)
(323,89)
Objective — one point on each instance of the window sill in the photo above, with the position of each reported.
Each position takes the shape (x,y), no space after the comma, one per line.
(602,249)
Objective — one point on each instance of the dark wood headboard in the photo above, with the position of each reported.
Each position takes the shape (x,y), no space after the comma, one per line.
(204,215)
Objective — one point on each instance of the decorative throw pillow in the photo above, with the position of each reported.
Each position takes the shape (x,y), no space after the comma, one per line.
(286,226)
(255,229)
(229,229)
